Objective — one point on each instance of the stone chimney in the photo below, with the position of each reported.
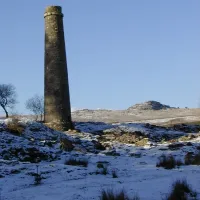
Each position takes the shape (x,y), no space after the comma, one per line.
(57,108)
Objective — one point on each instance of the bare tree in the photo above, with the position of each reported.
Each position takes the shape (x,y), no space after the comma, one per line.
(7,97)
(36,105)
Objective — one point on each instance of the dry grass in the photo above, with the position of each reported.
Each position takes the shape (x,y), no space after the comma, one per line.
(142,142)
(181,190)
(168,162)
(15,127)
(192,159)
(111,195)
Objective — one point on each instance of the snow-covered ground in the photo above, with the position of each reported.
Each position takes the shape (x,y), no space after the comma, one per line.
(134,165)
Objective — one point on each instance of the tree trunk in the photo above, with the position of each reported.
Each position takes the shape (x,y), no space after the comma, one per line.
(5,111)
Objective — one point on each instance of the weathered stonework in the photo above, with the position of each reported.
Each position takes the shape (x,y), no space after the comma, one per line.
(57,98)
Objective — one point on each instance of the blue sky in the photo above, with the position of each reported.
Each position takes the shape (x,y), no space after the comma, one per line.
(119,52)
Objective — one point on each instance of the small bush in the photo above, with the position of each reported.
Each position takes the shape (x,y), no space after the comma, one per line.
(38,179)
(179,163)
(110,195)
(181,191)
(168,162)
(103,171)
(100,165)
(191,159)
(75,162)
(114,174)
(37,176)
(15,127)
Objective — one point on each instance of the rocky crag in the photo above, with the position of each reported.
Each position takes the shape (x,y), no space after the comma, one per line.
(149,105)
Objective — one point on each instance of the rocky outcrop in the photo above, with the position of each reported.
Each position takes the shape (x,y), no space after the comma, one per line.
(149,105)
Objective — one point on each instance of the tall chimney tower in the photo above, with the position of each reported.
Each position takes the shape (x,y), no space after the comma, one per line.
(57,108)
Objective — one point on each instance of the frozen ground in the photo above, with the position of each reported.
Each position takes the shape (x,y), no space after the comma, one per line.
(134,165)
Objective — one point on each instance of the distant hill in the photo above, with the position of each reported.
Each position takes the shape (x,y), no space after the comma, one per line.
(149,105)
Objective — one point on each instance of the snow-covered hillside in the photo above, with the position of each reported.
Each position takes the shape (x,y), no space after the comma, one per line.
(128,150)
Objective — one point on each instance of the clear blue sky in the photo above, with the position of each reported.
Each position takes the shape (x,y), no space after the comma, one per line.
(119,52)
